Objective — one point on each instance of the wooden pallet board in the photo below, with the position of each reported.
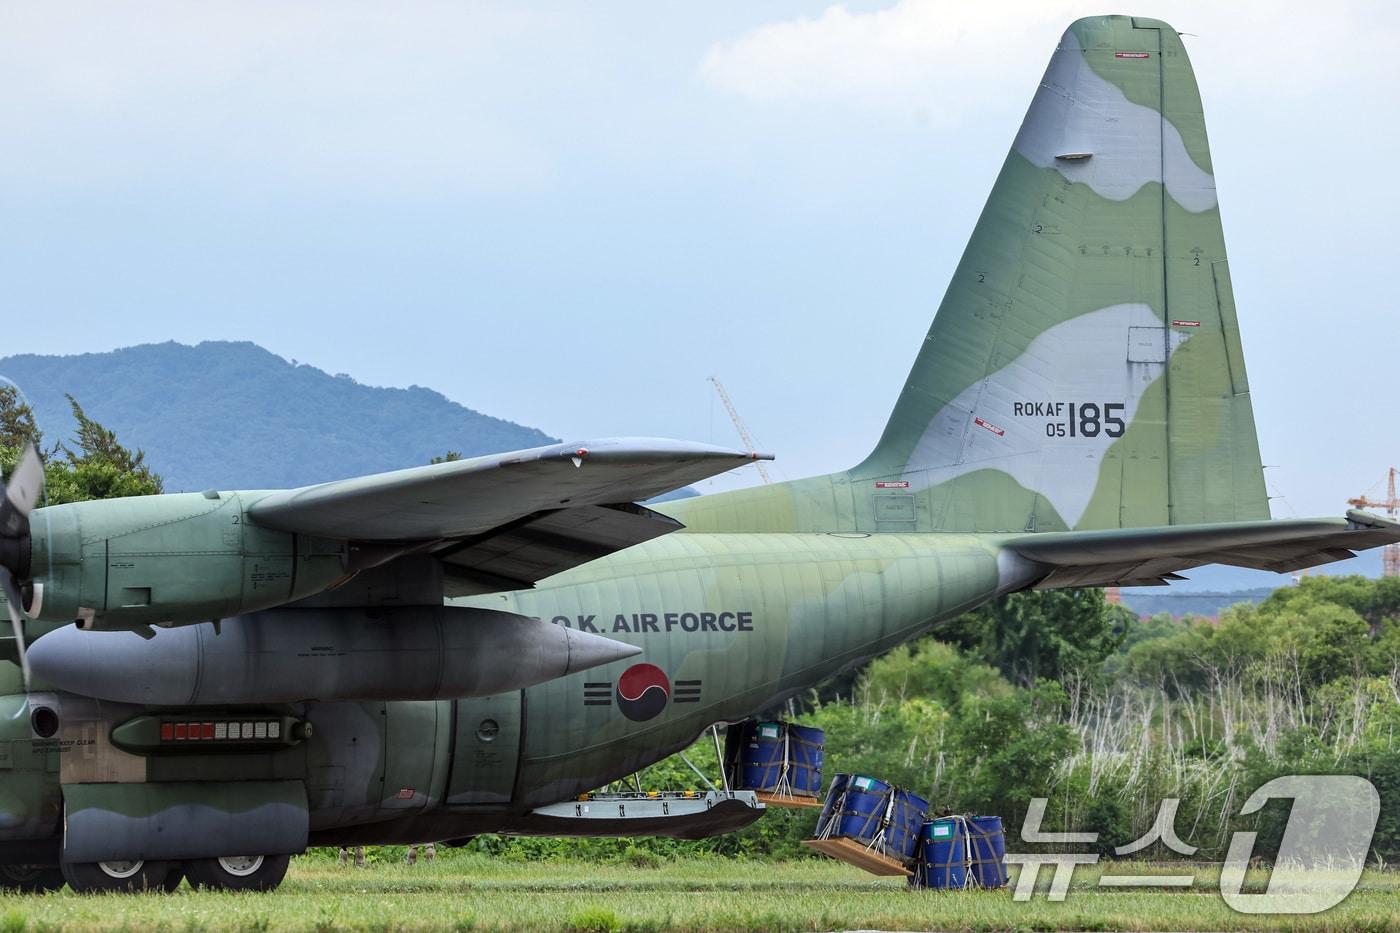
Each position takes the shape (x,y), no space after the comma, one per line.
(855,853)
(783,800)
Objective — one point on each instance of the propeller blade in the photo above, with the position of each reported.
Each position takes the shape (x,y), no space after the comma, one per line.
(15,605)
(22,492)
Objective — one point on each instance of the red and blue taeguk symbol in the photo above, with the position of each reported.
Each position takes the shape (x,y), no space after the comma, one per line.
(642,692)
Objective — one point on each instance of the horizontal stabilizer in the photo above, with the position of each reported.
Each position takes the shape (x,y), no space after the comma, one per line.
(1152,556)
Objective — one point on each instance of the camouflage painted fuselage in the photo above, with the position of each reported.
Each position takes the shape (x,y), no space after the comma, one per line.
(732,622)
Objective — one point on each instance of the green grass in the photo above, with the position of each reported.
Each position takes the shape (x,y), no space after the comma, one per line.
(473,892)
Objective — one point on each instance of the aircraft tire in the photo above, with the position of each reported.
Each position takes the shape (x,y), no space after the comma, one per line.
(238,872)
(115,876)
(31,878)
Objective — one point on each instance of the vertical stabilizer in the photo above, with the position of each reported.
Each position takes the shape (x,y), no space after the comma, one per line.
(1084,369)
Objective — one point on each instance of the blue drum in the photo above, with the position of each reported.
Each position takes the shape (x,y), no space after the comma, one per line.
(805,759)
(870,811)
(988,851)
(943,859)
(761,756)
(775,757)
(862,809)
(832,804)
(906,820)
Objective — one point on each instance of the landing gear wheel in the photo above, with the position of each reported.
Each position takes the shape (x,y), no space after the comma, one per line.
(238,872)
(115,876)
(173,878)
(30,878)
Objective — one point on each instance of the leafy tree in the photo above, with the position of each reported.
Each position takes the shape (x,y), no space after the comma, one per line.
(1375,601)
(1141,632)
(1162,625)
(1053,634)
(1305,638)
(97,466)
(16,422)
(929,669)
(1170,662)
(1009,748)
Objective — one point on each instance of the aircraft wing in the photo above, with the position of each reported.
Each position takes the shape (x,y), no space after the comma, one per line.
(1152,556)
(506,520)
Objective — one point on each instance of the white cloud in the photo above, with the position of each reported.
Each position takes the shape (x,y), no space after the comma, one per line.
(945,58)
(890,57)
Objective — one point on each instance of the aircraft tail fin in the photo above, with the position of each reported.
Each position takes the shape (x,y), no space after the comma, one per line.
(1084,370)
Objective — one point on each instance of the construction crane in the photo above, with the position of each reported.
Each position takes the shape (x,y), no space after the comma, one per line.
(1390,556)
(740,427)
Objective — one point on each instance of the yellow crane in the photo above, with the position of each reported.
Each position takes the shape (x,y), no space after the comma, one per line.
(740,427)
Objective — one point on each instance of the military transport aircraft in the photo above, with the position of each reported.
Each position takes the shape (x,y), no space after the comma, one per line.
(222,679)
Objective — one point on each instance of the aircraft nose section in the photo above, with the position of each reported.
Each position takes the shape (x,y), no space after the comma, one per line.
(588,650)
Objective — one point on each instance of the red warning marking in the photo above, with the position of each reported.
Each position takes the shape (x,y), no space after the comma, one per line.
(894,484)
(1132,54)
(406,793)
(1186,323)
(990,427)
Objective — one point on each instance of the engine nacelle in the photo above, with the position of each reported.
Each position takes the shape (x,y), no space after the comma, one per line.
(175,559)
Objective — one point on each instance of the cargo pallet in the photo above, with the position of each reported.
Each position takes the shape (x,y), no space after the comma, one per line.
(853,853)
(787,800)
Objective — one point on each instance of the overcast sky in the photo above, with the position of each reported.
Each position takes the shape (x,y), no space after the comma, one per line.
(569,215)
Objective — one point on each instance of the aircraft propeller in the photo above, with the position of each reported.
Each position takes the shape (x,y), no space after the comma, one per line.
(18,497)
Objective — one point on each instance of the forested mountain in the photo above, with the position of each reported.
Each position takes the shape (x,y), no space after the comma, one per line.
(235,416)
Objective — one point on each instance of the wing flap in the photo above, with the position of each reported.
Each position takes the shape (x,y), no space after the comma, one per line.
(1149,556)
(516,556)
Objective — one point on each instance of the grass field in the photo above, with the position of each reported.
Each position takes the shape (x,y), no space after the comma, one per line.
(473,892)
